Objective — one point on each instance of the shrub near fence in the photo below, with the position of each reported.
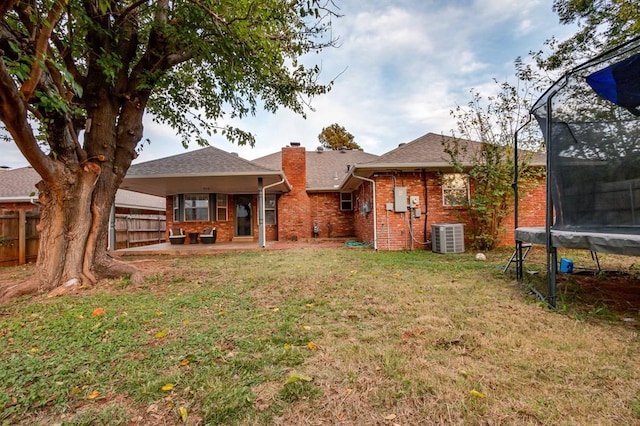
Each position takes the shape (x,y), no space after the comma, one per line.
(19,237)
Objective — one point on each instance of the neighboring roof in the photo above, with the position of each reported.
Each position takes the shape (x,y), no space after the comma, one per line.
(207,170)
(325,169)
(137,200)
(19,185)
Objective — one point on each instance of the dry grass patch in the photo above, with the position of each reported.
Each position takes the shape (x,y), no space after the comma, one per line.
(327,336)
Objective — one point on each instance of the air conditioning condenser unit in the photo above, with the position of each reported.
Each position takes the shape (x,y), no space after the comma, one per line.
(447,238)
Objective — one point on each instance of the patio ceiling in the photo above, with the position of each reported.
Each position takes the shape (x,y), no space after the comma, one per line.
(228,183)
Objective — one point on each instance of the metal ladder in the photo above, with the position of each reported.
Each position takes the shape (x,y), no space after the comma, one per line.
(514,256)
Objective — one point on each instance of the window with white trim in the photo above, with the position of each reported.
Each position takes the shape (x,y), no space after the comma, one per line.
(455,190)
(176,208)
(196,207)
(270,209)
(222,203)
(346,201)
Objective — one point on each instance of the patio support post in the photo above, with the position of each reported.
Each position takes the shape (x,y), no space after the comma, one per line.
(261,192)
(261,224)
(112,228)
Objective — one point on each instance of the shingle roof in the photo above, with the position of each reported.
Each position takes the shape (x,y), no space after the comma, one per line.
(206,161)
(19,185)
(425,150)
(429,151)
(325,169)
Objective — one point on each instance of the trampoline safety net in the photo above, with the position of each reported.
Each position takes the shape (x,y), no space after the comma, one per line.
(591,124)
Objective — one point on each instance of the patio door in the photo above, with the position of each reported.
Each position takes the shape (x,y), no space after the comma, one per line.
(244,223)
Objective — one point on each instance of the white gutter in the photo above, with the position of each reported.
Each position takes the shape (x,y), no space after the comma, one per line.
(375,217)
(263,244)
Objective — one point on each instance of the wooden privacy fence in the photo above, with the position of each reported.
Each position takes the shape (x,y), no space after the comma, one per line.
(19,237)
(134,230)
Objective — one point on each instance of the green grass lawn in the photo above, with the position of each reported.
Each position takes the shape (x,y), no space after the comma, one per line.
(318,336)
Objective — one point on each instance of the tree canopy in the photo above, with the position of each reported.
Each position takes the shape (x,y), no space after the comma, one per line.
(335,137)
(601,25)
(77,77)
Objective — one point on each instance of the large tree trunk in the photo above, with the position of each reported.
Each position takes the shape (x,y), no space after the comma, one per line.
(73,236)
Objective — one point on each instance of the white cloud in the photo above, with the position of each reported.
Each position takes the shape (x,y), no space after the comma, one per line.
(405,64)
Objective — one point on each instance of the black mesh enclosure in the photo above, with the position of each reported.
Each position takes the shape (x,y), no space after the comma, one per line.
(593,145)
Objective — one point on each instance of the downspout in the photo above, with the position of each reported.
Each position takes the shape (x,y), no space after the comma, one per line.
(263,243)
(426,204)
(375,217)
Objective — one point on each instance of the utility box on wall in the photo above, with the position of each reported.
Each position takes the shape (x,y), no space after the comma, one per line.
(400,198)
(447,238)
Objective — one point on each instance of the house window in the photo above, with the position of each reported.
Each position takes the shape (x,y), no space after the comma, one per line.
(221,207)
(455,190)
(196,207)
(346,201)
(176,208)
(270,209)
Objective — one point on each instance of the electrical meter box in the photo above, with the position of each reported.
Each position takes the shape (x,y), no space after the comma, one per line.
(414,201)
(400,198)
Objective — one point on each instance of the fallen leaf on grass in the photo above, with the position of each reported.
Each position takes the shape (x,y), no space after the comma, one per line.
(168,387)
(477,393)
(313,346)
(183,414)
(161,334)
(287,346)
(390,417)
(93,395)
(98,312)
(296,377)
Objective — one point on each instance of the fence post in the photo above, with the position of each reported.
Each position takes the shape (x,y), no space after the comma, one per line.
(22,237)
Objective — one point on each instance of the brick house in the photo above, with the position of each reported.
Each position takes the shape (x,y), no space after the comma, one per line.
(388,201)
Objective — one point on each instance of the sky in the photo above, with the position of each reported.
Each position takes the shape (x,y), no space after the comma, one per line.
(401,67)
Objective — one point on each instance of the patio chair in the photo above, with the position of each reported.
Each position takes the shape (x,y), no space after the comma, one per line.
(208,236)
(177,236)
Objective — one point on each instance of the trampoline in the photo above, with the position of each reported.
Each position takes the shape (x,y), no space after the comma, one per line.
(591,125)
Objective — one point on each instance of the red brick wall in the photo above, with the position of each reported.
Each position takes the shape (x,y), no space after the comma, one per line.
(402,230)
(18,206)
(363,222)
(532,211)
(325,211)
(294,207)
(393,228)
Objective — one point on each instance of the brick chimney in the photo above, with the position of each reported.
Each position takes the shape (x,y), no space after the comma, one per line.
(294,208)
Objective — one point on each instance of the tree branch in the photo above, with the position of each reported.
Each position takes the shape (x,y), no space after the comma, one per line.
(13,113)
(6,6)
(42,45)
(217,19)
